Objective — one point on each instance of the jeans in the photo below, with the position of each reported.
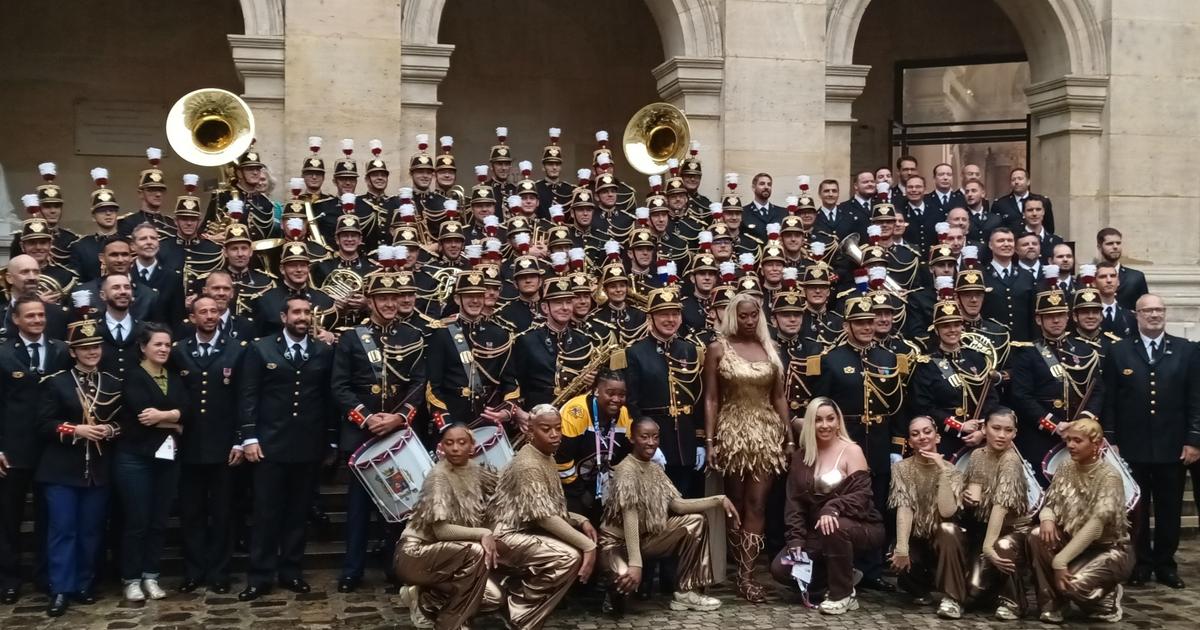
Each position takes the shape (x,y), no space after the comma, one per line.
(76,527)
(146,487)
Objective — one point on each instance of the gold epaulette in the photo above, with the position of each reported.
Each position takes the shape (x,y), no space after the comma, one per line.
(922,358)
(50,376)
(434,401)
(847,292)
(1111,336)
(812,365)
(1020,344)
(124,216)
(902,363)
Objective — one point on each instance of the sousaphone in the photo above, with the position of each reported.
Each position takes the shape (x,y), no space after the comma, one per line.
(655,134)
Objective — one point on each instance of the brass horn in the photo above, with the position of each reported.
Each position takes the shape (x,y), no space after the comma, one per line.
(210,127)
(655,134)
(851,249)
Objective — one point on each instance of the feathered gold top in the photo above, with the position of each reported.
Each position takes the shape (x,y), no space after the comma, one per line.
(1001,477)
(454,495)
(1081,493)
(528,490)
(915,486)
(642,487)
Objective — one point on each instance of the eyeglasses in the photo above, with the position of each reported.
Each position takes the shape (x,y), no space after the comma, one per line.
(1152,310)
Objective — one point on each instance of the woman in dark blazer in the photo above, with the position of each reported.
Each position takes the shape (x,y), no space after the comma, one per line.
(153,410)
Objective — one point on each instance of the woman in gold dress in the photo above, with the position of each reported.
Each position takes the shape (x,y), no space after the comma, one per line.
(746,426)
(1080,552)
(997,518)
(931,551)
(447,550)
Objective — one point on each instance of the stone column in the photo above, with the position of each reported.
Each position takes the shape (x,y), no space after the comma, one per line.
(259,63)
(843,85)
(1068,154)
(343,71)
(693,84)
(422,68)
(774,110)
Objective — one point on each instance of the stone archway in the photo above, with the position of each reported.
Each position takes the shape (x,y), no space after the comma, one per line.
(691,76)
(1068,60)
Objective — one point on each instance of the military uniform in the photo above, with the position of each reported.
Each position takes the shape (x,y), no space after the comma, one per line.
(545,362)
(259,213)
(1010,301)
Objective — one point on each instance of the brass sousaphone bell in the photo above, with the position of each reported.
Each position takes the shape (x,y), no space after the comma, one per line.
(655,134)
(210,127)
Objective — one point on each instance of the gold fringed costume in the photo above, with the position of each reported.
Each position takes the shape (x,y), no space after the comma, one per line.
(644,516)
(998,525)
(926,497)
(1087,503)
(440,551)
(540,540)
(750,435)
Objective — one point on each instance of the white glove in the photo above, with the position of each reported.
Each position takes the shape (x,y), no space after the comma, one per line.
(895,457)
(659,458)
(700,455)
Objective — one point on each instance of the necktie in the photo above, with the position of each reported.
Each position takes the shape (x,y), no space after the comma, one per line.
(35,357)
(1004,273)
(1108,313)
(205,349)
(1062,286)
(944,199)
(145,275)
(297,352)
(1153,352)
(119,336)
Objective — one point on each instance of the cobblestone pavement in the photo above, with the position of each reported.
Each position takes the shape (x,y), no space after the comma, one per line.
(372,607)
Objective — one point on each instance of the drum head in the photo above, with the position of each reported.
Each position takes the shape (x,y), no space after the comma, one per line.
(485,436)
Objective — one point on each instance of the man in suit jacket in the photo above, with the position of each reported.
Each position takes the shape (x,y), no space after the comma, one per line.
(760,212)
(22,275)
(1012,205)
(119,327)
(1011,289)
(117,256)
(859,204)
(1152,414)
(983,220)
(831,221)
(24,359)
(944,196)
(921,215)
(287,418)
(1132,283)
(1117,319)
(208,362)
(1034,222)
(149,271)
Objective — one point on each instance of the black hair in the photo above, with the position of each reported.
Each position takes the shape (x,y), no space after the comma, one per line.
(609,375)
(287,304)
(110,239)
(148,330)
(26,299)
(1003,412)
(640,421)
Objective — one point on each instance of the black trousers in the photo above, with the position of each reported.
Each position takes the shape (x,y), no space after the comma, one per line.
(14,487)
(283,494)
(1162,491)
(205,502)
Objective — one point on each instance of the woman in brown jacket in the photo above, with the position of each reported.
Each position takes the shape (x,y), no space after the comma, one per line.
(831,515)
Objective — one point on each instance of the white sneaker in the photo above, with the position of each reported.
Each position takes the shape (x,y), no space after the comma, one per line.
(152,590)
(1004,613)
(949,609)
(134,593)
(691,600)
(1117,613)
(408,597)
(839,607)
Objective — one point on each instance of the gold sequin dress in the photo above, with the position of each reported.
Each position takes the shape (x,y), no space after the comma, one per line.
(750,435)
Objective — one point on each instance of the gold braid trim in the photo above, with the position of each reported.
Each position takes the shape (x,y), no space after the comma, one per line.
(1002,480)
(528,490)
(1081,493)
(915,486)
(454,495)
(642,487)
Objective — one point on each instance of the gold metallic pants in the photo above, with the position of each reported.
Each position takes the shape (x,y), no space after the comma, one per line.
(984,578)
(539,571)
(685,537)
(1095,575)
(451,576)
(939,563)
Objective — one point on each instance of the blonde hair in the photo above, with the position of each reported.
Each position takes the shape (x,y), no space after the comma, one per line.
(1088,428)
(808,430)
(762,334)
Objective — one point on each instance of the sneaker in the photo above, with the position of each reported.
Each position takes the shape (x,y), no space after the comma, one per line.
(1005,613)
(839,607)
(691,600)
(152,590)
(408,597)
(1117,613)
(134,592)
(1051,616)
(949,609)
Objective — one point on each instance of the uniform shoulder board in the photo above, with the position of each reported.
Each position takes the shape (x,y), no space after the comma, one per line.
(50,376)
(812,365)
(1112,336)
(124,216)
(269,274)
(847,292)
(1021,344)
(425,318)
(922,358)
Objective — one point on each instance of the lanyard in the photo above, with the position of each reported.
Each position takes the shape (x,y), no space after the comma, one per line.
(602,457)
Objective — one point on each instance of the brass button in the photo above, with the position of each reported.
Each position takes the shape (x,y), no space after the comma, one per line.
(203,401)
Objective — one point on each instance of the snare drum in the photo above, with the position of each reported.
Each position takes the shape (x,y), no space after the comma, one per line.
(492,448)
(1033,489)
(392,469)
(1060,454)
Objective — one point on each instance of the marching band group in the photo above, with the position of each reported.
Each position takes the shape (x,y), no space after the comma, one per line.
(914,376)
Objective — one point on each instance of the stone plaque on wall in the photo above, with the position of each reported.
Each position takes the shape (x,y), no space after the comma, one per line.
(118,128)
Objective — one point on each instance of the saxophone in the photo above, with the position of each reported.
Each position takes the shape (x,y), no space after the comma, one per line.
(600,357)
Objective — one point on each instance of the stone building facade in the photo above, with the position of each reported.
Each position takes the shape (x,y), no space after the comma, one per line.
(790,87)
